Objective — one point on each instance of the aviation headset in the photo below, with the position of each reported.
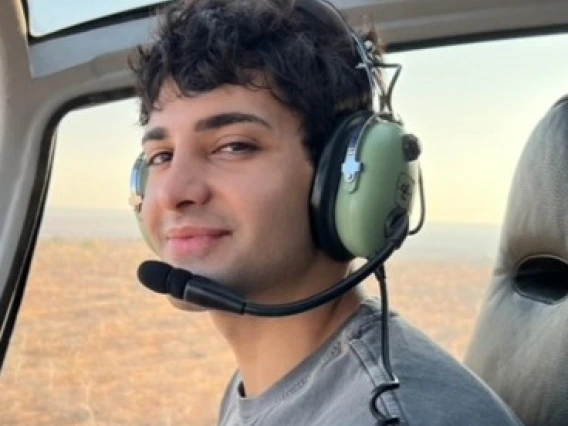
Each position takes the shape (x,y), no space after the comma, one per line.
(366,177)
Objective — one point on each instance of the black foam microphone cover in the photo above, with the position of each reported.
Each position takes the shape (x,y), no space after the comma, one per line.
(162,278)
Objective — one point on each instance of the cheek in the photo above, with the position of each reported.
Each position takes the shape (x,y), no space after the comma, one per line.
(277,201)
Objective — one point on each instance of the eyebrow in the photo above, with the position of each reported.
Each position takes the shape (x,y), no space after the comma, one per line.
(209,123)
(154,134)
(226,119)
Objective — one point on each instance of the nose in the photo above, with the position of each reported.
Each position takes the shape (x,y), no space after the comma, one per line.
(183,184)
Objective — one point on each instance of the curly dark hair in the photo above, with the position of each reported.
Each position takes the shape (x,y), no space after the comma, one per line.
(307,62)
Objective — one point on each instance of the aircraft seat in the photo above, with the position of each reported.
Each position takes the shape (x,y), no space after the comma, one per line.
(520,343)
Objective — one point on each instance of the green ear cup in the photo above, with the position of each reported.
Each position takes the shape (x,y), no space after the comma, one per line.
(384,186)
(365,180)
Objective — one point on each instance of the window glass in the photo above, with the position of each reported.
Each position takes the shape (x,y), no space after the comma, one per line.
(49,16)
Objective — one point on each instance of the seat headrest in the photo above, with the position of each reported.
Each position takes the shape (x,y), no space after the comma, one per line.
(520,343)
(536,220)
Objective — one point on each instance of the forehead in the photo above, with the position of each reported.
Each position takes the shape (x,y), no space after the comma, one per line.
(174,109)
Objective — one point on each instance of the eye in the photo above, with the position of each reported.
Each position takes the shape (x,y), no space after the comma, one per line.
(237,148)
(161,157)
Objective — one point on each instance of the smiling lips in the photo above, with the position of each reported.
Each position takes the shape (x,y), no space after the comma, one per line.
(183,242)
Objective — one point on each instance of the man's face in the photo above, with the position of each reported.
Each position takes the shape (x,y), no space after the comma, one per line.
(228,188)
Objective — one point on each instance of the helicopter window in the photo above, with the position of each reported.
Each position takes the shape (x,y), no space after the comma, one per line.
(45,16)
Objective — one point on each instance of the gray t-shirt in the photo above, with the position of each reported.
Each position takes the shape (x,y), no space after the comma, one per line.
(333,386)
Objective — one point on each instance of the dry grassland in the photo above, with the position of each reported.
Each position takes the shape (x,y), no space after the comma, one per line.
(93,347)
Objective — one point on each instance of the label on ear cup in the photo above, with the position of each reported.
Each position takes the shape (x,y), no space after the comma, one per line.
(404,191)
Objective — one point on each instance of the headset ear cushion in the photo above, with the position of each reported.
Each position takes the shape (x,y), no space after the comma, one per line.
(326,185)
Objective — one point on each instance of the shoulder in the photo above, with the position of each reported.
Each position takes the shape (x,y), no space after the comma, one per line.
(433,384)
(229,398)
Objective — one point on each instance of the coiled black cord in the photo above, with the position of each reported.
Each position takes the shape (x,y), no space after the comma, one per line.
(392,383)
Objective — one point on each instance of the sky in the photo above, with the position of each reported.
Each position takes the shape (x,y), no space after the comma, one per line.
(472,106)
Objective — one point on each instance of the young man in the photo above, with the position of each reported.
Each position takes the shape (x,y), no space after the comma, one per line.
(238,99)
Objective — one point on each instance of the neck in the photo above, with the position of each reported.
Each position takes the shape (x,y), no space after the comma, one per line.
(266,349)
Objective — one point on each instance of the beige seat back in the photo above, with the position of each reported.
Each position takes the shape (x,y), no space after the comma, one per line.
(520,344)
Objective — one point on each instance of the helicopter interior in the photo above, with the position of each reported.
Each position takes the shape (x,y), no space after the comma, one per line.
(61,70)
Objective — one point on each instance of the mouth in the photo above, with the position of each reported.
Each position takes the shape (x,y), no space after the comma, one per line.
(193,242)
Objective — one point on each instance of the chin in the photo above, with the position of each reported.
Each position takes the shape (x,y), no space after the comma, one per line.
(235,279)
